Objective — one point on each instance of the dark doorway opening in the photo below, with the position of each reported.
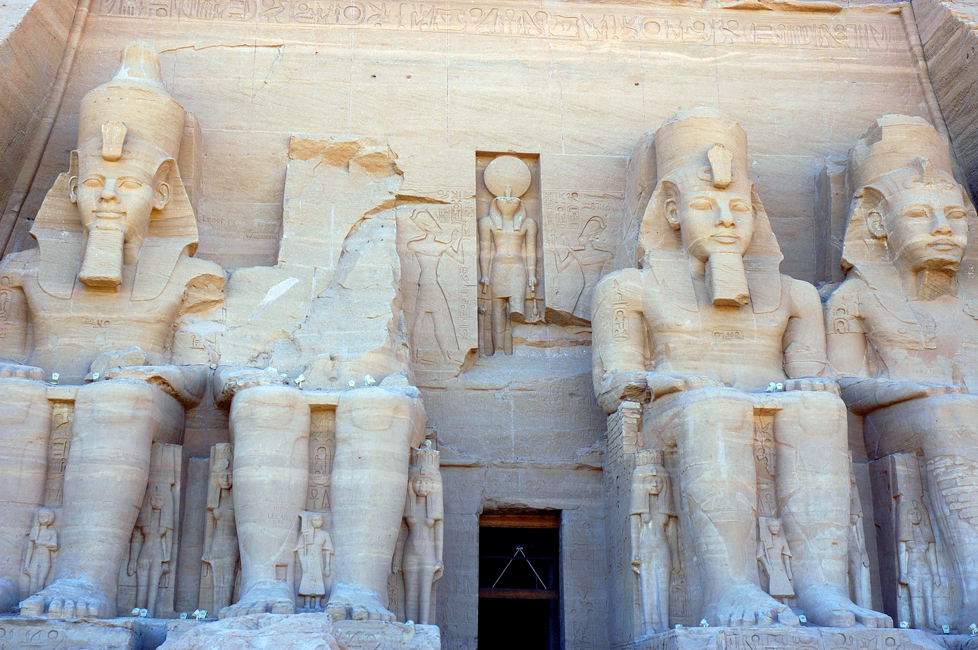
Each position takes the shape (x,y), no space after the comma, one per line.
(519,581)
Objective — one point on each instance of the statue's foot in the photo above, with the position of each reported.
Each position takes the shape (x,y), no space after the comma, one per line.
(830,606)
(9,594)
(264,597)
(67,599)
(746,605)
(346,602)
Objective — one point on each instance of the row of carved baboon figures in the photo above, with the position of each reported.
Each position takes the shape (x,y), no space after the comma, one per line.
(746,380)
(152,559)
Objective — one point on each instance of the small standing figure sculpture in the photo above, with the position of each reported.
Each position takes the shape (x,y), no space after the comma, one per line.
(775,556)
(42,546)
(424,514)
(919,573)
(315,551)
(860,584)
(220,535)
(655,539)
(507,252)
(150,547)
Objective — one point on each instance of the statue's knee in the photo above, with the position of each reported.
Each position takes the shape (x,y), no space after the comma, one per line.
(377,409)
(22,401)
(269,407)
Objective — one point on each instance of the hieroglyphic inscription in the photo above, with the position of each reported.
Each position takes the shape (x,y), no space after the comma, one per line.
(58,446)
(612,24)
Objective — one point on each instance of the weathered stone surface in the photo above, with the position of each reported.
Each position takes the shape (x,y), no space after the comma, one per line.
(261,632)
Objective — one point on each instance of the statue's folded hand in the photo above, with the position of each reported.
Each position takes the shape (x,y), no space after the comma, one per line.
(228,380)
(864,395)
(186,384)
(661,384)
(16,370)
(623,386)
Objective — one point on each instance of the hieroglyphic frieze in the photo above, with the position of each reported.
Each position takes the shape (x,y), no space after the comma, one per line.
(532,21)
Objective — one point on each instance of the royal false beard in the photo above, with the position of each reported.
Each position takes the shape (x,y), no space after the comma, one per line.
(102,264)
(727,280)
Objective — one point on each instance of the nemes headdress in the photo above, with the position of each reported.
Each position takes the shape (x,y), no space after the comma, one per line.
(706,143)
(131,113)
(896,152)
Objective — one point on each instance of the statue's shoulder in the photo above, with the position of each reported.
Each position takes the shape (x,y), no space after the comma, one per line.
(15,266)
(190,269)
(625,282)
(842,311)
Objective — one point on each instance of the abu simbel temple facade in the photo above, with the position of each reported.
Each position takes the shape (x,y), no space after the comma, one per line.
(543,324)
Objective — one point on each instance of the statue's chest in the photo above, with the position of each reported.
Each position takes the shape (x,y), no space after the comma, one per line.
(938,328)
(105,317)
(727,328)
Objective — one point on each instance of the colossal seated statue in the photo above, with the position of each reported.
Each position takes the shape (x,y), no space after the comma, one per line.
(97,303)
(700,331)
(903,334)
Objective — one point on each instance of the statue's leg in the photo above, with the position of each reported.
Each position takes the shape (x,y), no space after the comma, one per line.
(25,425)
(813,500)
(270,430)
(142,584)
(375,429)
(502,333)
(153,588)
(412,588)
(113,430)
(714,434)
(945,428)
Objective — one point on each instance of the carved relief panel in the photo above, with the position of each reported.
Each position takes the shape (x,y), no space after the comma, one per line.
(584,230)
(147,579)
(439,266)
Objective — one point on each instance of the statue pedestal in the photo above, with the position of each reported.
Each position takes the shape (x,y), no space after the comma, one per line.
(110,634)
(802,638)
(295,632)
(366,635)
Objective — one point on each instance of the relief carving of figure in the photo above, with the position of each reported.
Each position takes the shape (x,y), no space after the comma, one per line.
(655,539)
(699,333)
(590,257)
(507,251)
(424,514)
(429,248)
(42,546)
(775,557)
(902,327)
(151,546)
(315,551)
(220,557)
(111,279)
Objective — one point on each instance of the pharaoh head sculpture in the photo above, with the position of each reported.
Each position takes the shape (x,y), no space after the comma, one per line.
(906,206)
(129,203)
(704,205)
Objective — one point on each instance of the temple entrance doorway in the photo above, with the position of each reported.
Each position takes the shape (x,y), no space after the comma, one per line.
(519,580)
